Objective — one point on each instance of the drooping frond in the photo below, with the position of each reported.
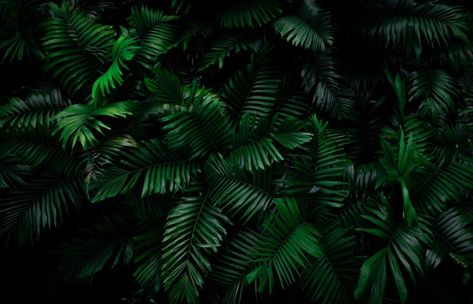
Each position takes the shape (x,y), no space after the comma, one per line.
(435,90)
(455,237)
(224,47)
(38,205)
(12,172)
(310,29)
(147,257)
(75,46)
(416,26)
(442,183)
(322,80)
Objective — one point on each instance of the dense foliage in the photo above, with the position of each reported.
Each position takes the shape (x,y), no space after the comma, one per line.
(241,151)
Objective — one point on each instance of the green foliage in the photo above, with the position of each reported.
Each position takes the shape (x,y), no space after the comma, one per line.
(247,13)
(256,151)
(284,246)
(311,30)
(80,123)
(193,230)
(75,46)
(123,50)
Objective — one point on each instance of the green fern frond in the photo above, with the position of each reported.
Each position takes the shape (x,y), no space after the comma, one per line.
(75,46)
(81,123)
(310,29)
(284,247)
(36,110)
(123,50)
(151,168)
(193,231)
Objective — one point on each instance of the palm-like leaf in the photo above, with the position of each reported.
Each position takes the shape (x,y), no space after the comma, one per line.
(402,253)
(236,261)
(151,166)
(123,50)
(166,88)
(38,205)
(253,151)
(435,90)
(155,31)
(147,251)
(399,167)
(102,245)
(81,123)
(319,174)
(224,47)
(311,29)
(415,26)
(330,278)
(194,229)
(252,91)
(76,46)
(231,190)
(36,110)
(286,243)
(454,236)
(322,79)
(12,172)
(442,183)
(205,124)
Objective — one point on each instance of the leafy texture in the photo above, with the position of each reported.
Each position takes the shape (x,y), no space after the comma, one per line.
(240,151)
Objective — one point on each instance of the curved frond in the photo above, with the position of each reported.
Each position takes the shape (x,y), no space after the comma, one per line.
(435,90)
(123,50)
(311,29)
(284,247)
(224,47)
(416,26)
(252,151)
(252,91)
(230,190)
(233,265)
(402,254)
(330,278)
(319,175)
(39,205)
(193,231)
(75,46)
(205,126)
(81,123)
(323,80)
(155,31)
